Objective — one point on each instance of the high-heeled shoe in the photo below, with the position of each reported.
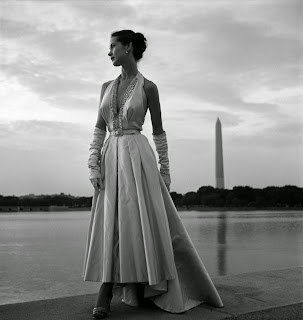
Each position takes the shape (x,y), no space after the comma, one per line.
(100,312)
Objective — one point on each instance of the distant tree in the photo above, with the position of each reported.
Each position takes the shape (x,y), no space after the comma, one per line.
(177,198)
(244,195)
(190,199)
(9,201)
(239,196)
(203,195)
(232,200)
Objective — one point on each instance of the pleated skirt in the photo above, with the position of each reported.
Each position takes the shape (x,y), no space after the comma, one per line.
(136,235)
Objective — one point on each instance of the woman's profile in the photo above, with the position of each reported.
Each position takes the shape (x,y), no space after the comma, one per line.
(137,245)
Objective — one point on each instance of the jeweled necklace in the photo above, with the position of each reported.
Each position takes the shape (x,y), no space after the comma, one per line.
(117,115)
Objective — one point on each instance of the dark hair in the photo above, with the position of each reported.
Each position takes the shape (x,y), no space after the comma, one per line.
(137,39)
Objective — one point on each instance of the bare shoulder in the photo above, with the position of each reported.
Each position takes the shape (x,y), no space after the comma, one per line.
(105,85)
(103,88)
(150,87)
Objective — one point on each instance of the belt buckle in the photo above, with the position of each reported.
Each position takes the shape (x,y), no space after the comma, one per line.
(118,132)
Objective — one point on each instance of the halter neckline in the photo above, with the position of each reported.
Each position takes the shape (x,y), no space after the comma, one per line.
(115,113)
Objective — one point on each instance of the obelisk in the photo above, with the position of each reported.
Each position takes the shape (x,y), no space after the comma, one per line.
(219,157)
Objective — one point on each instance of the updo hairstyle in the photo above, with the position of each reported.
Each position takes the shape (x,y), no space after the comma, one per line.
(137,39)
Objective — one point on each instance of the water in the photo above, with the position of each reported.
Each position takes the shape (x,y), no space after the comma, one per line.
(41,254)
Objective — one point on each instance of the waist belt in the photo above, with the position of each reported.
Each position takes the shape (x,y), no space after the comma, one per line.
(121,132)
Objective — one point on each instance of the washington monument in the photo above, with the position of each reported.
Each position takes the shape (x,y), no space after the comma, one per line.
(219,157)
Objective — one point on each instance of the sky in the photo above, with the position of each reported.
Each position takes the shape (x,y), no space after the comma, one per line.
(233,59)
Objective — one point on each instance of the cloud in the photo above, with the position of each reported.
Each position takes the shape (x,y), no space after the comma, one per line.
(217,46)
(233,46)
(44,157)
(62,65)
(282,16)
(221,94)
(16,29)
(283,133)
(44,135)
(56,67)
(105,11)
(229,119)
(230,59)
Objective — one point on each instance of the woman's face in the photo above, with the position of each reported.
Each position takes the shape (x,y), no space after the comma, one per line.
(117,51)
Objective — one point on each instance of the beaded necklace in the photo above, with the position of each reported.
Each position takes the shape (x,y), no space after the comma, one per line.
(117,116)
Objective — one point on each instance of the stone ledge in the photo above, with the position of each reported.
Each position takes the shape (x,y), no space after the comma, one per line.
(257,295)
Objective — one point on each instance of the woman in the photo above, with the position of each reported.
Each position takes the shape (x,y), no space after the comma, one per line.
(137,243)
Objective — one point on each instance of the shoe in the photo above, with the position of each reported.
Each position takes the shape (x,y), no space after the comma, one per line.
(100,313)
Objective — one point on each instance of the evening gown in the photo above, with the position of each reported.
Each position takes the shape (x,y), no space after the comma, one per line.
(135,233)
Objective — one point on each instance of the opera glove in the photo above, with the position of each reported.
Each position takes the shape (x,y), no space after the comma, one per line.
(162,150)
(95,158)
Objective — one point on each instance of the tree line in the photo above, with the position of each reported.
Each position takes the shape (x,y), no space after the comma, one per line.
(242,196)
(46,200)
(206,196)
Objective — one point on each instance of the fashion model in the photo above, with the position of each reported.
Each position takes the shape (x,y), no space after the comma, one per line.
(137,246)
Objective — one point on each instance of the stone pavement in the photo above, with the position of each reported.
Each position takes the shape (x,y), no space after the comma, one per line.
(292,312)
(276,294)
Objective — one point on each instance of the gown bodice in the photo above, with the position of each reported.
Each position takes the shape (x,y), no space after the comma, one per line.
(133,109)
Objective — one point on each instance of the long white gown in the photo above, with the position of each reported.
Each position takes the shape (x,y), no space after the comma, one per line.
(135,233)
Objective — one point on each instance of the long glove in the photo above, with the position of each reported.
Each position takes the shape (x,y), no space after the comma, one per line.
(162,150)
(95,157)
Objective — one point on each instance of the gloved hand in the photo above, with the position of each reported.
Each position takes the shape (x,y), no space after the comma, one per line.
(95,158)
(162,150)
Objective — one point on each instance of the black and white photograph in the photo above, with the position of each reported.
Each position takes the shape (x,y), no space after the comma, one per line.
(151,159)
